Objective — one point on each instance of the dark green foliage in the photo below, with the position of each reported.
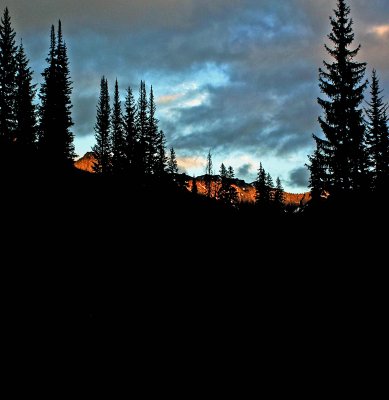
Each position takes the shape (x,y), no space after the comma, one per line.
(279,195)
(130,132)
(56,139)
(263,188)
(172,166)
(103,147)
(118,159)
(377,137)
(208,174)
(8,90)
(339,162)
(151,142)
(161,158)
(25,110)
(142,123)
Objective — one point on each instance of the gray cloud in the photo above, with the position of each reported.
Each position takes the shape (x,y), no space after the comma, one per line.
(299,177)
(269,52)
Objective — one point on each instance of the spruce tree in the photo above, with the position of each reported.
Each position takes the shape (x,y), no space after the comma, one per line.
(341,154)
(142,129)
(161,158)
(117,132)
(172,166)
(56,139)
(8,89)
(378,136)
(151,136)
(208,174)
(233,198)
(279,195)
(103,146)
(25,110)
(130,132)
(264,188)
(224,184)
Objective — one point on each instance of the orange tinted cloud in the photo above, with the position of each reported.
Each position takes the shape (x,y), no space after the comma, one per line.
(169,98)
(381,30)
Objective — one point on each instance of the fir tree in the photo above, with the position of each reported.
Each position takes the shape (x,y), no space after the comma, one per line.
(341,153)
(279,195)
(102,149)
(263,188)
(56,139)
(8,90)
(130,132)
(25,110)
(151,136)
(117,139)
(378,136)
(172,166)
(161,158)
(208,174)
(142,129)
(232,193)
(224,184)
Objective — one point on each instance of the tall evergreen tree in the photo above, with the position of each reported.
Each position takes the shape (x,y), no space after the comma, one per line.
(8,89)
(378,136)
(142,129)
(161,158)
(130,132)
(208,174)
(263,188)
(224,184)
(118,140)
(233,198)
(151,136)
(341,154)
(279,195)
(172,165)
(103,146)
(25,110)
(56,138)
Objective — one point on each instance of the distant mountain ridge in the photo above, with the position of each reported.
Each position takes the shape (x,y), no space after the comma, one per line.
(246,191)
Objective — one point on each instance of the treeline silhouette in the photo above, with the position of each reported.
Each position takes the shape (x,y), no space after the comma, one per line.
(135,211)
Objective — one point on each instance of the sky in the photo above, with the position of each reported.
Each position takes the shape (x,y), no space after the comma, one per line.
(237,77)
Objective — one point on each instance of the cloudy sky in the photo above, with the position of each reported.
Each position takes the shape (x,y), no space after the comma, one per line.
(238,77)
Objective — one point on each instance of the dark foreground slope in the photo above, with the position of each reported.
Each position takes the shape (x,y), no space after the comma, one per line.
(79,247)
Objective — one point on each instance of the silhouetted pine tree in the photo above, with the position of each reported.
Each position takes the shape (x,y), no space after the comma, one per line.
(117,141)
(56,139)
(263,188)
(151,137)
(279,195)
(103,146)
(8,89)
(142,129)
(130,132)
(224,184)
(232,193)
(341,154)
(378,136)
(208,175)
(161,158)
(172,166)
(25,110)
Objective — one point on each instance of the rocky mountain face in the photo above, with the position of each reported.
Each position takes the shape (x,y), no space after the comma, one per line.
(246,191)
(86,162)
